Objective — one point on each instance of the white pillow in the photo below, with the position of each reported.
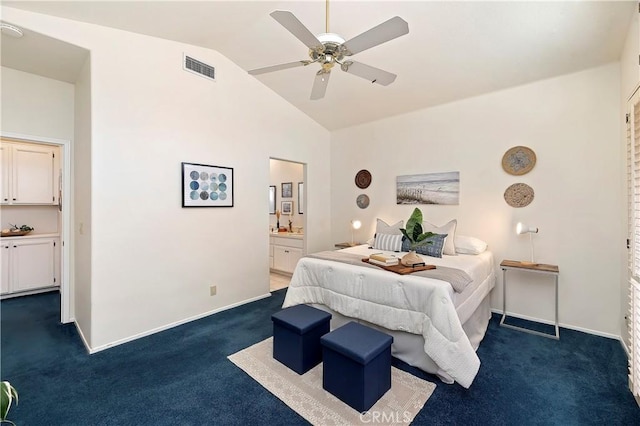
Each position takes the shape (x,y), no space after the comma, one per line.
(469,245)
(383,227)
(388,242)
(449,229)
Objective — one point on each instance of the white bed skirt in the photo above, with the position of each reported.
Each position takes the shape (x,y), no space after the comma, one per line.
(409,347)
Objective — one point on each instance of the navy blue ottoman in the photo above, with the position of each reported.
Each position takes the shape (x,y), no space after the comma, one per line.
(296,336)
(356,364)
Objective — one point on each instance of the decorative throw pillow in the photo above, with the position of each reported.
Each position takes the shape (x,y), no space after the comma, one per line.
(388,242)
(469,245)
(449,229)
(434,249)
(383,227)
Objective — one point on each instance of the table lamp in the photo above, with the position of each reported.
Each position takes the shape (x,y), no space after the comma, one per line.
(355,224)
(521,228)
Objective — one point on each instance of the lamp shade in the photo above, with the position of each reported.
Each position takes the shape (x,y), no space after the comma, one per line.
(356,224)
(521,228)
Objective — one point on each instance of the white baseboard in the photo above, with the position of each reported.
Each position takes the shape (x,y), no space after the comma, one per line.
(84,340)
(563,325)
(174,324)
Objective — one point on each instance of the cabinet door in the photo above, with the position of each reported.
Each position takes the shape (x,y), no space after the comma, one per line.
(5,163)
(281,258)
(4,272)
(31,264)
(33,174)
(294,255)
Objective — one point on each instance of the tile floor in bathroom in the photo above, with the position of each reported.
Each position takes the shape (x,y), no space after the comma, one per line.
(278,281)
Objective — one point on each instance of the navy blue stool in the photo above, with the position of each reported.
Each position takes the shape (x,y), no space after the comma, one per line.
(296,336)
(356,364)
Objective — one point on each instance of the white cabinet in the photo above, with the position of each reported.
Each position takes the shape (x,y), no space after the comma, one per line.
(28,264)
(285,253)
(29,173)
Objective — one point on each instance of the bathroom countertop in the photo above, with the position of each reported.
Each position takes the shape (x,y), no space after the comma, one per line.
(296,235)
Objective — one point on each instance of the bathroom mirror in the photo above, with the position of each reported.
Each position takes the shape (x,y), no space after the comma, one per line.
(300,197)
(272,199)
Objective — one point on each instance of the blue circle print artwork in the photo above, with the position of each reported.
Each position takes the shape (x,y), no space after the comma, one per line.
(207,186)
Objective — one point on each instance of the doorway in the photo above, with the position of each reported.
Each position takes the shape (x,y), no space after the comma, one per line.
(287,220)
(64,207)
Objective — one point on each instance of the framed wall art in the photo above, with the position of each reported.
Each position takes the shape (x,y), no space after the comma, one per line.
(287,189)
(272,199)
(206,186)
(431,188)
(287,208)
(300,197)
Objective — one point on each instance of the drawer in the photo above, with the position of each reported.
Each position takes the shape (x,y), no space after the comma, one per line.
(288,242)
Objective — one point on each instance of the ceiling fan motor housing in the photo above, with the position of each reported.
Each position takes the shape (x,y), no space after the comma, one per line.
(331,51)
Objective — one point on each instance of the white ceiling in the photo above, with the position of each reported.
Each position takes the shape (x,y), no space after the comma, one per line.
(454,50)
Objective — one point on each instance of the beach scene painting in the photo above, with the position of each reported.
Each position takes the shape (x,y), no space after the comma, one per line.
(430,188)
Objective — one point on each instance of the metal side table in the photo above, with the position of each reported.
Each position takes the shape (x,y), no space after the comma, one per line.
(539,268)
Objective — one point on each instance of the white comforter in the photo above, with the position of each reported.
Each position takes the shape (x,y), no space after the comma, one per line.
(408,303)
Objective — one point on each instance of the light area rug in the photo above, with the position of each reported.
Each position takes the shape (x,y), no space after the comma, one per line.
(305,395)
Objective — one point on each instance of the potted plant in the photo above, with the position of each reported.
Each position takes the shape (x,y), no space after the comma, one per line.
(413,233)
(7,394)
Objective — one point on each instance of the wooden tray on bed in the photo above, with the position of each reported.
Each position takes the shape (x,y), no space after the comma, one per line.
(400,268)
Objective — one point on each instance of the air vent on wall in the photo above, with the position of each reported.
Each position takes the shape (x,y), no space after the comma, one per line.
(200,68)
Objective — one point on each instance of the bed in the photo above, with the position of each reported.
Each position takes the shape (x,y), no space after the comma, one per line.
(435,328)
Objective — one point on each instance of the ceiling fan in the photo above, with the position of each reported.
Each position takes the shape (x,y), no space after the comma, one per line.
(329,49)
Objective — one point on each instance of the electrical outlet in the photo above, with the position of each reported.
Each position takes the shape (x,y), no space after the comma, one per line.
(212,290)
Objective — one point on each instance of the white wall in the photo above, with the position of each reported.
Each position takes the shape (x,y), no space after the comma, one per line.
(36,106)
(629,80)
(81,206)
(286,171)
(572,124)
(152,261)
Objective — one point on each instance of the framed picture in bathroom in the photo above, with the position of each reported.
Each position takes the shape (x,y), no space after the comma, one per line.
(287,189)
(287,208)
(206,186)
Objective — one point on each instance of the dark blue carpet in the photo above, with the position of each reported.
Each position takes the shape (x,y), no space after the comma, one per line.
(182,376)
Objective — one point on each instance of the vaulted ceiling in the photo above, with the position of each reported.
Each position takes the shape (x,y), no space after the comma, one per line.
(454,49)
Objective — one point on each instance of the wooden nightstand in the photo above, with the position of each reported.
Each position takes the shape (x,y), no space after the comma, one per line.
(539,268)
(345,245)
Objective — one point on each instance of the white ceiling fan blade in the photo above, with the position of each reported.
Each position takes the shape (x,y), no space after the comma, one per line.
(320,85)
(295,27)
(373,74)
(388,30)
(279,67)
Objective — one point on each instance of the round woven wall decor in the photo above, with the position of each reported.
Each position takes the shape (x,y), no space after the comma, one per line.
(363,179)
(519,195)
(518,160)
(362,201)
